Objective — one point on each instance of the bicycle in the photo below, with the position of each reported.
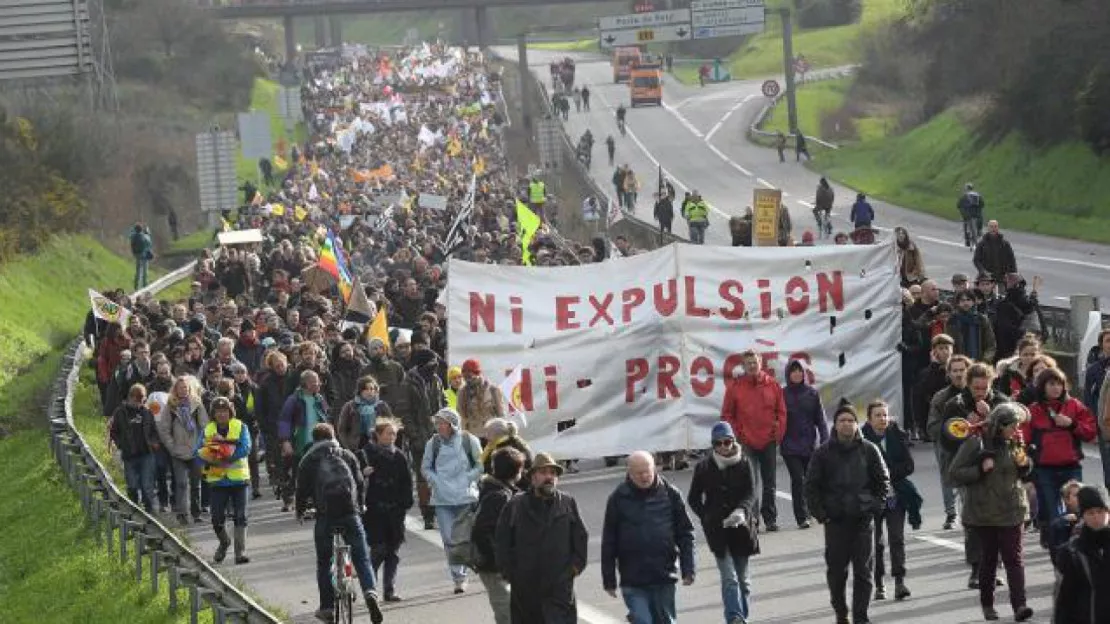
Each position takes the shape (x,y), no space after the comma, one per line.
(342,579)
(973,231)
(824,223)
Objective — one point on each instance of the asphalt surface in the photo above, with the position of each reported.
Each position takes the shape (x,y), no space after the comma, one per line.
(699,137)
(788,577)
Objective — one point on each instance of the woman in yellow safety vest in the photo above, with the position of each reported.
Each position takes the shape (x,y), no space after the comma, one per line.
(454,383)
(224,451)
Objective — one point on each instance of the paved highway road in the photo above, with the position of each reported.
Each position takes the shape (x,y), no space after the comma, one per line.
(699,137)
(788,578)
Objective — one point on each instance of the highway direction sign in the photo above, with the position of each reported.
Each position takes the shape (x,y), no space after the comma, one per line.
(636,21)
(726,18)
(642,36)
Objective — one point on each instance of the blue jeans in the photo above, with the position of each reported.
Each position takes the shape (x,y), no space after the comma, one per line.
(138,473)
(355,537)
(736,586)
(651,604)
(140,272)
(1049,481)
(445,520)
(221,496)
(697,231)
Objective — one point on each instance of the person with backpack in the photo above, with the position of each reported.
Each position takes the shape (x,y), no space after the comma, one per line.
(494,492)
(329,475)
(142,249)
(452,466)
(971,206)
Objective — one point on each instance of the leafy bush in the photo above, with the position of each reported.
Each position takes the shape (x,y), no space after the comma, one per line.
(825,13)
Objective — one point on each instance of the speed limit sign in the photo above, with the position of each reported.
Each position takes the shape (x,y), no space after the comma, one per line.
(770,88)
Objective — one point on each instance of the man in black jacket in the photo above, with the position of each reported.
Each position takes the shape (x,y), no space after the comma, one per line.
(722,496)
(931,380)
(494,492)
(645,520)
(846,487)
(1083,592)
(132,430)
(885,434)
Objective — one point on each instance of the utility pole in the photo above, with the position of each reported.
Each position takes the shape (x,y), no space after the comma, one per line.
(788,67)
(525,101)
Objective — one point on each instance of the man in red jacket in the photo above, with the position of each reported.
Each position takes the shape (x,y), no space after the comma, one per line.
(755,408)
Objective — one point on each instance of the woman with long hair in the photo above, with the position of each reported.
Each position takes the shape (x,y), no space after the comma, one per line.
(180,428)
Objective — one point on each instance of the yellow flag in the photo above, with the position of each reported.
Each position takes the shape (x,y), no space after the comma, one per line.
(227,226)
(379,328)
(527,223)
(280,163)
(277,210)
(454,148)
(300,213)
(479,165)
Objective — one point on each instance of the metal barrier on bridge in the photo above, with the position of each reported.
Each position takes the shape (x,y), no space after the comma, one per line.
(120,524)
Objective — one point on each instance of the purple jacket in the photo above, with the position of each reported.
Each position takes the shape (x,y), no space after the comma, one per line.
(805,417)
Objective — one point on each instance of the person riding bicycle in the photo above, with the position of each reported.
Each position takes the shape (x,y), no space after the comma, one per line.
(971,205)
(621,112)
(822,208)
(330,475)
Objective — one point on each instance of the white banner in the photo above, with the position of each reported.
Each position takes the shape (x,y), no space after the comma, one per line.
(636,356)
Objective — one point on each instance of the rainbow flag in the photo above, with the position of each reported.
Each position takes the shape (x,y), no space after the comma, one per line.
(332,261)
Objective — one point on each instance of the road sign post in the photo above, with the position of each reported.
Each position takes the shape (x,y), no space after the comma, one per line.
(788,68)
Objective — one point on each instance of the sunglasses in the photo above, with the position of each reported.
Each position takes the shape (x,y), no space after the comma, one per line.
(725,442)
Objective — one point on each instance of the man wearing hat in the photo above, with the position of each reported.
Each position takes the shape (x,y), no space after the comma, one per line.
(722,495)
(846,487)
(479,400)
(1083,591)
(541,546)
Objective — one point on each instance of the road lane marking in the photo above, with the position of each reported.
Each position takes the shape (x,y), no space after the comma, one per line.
(586,613)
(765,183)
(685,122)
(804,203)
(1092,265)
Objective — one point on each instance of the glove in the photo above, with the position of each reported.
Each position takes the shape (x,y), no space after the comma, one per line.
(735,519)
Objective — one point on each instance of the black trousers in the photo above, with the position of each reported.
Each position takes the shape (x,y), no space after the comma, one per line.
(797,466)
(763,461)
(848,543)
(894,521)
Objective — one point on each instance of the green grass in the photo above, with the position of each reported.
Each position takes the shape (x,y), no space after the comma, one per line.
(43,301)
(926,168)
(815,100)
(192,243)
(580,45)
(53,570)
(264,99)
(761,55)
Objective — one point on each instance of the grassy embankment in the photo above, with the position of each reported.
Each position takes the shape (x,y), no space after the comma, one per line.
(52,569)
(264,98)
(761,55)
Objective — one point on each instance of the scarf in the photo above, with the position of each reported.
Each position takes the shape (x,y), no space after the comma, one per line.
(968,322)
(185,415)
(367,414)
(725,462)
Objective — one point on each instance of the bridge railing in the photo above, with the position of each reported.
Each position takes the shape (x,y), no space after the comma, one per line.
(124,527)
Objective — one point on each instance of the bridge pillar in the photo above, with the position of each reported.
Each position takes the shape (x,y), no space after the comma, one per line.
(481,27)
(335,25)
(290,39)
(320,28)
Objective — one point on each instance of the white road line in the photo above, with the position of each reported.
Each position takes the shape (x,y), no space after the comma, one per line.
(1062,298)
(804,203)
(737,167)
(765,183)
(1092,265)
(713,130)
(586,613)
(686,122)
(940,541)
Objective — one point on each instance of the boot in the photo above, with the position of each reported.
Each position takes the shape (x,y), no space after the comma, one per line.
(880,591)
(225,541)
(241,545)
(973,578)
(901,592)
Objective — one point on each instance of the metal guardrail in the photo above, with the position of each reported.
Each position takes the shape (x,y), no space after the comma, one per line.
(108,511)
(829,74)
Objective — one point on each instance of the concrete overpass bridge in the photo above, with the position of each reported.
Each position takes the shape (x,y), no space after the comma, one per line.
(473,13)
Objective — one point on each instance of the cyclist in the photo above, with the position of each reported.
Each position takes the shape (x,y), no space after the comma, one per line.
(621,112)
(971,206)
(822,208)
(330,475)
(611,146)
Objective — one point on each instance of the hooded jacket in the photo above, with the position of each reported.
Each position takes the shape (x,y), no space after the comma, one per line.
(492,497)
(755,408)
(132,429)
(847,481)
(805,417)
(1059,447)
(1083,592)
(996,498)
(454,476)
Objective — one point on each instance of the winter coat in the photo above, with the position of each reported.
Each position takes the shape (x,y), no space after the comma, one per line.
(1092,384)
(714,495)
(479,403)
(268,401)
(500,443)
(175,433)
(645,530)
(389,374)
(1058,447)
(454,476)
(388,494)
(540,547)
(994,256)
(990,499)
(132,430)
(420,399)
(301,412)
(805,420)
(344,384)
(250,354)
(892,446)
(1009,318)
(756,410)
(824,199)
(308,487)
(1083,591)
(348,427)
(978,346)
(847,481)
(493,495)
(931,380)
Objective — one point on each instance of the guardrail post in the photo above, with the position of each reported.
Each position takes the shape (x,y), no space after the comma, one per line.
(1081,308)
(140,549)
(175,579)
(110,526)
(123,539)
(158,557)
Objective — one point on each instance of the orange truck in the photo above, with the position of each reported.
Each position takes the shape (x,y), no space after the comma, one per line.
(645,82)
(622,61)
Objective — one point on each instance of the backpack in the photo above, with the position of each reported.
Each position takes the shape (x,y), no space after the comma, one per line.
(467,445)
(136,243)
(463,551)
(335,485)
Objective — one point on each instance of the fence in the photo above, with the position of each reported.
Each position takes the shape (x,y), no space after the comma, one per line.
(110,513)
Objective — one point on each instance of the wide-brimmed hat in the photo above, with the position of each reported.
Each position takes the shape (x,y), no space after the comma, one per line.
(545,460)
